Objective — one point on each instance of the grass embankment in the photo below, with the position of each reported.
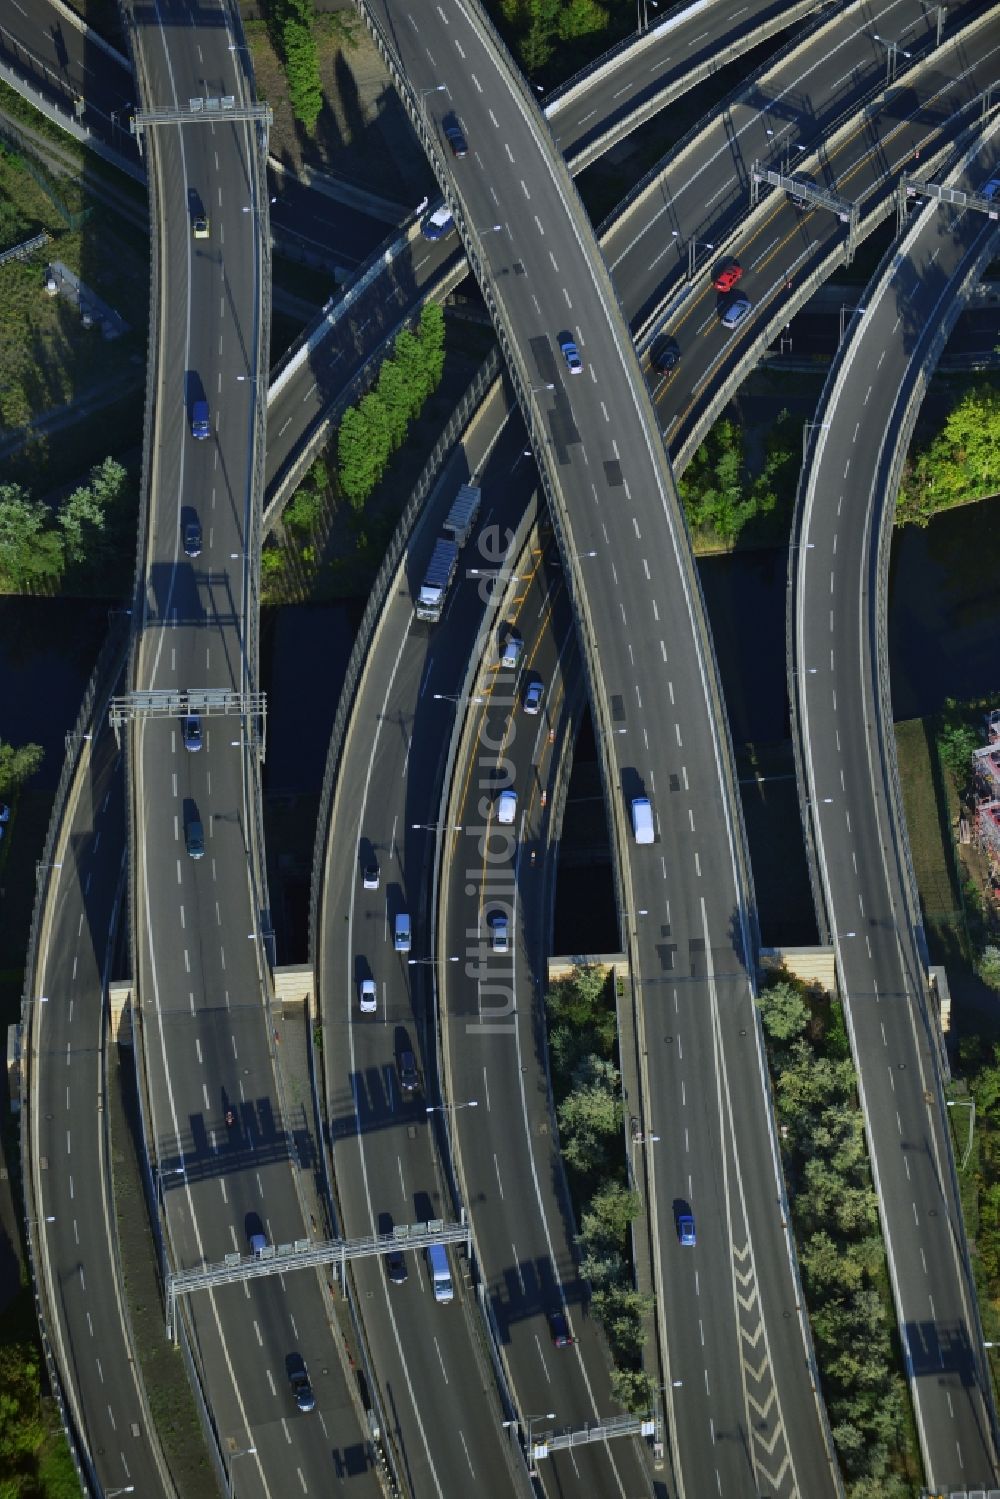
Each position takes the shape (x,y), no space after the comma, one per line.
(49,362)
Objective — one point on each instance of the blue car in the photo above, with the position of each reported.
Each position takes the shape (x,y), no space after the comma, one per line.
(685,1229)
(571,354)
(199,419)
(437,224)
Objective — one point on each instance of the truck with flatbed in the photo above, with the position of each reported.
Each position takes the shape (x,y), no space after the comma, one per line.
(463,513)
(437,580)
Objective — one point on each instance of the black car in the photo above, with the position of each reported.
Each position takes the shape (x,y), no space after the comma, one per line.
(559,1328)
(409,1077)
(192,733)
(192,539)
(455,136)
(667,357)
(298,1378)
(395,1266)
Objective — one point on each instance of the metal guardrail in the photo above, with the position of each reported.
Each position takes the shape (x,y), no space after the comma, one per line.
(882,210)
(578,594)
(464,409)
(26,248)
(672,300)
(100,685)
(891,464)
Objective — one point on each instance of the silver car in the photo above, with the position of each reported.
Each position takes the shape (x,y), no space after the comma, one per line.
(737,312)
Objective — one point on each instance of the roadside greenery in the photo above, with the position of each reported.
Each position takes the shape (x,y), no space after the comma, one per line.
(959,463)
(586,1083)
(835,1218)
(35,1462)
(539,29)
(294,20)
(18,763)
(720,497)
(41,544)
(372,431)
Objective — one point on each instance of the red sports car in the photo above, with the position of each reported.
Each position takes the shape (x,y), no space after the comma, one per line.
(728,276)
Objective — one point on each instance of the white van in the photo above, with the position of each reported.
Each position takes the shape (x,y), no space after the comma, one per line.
(401,935)
(512,650)
(507,807)
(437,1259)
(642,819)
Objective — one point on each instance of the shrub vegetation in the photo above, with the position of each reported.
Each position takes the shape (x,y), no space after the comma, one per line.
(719,496)
(40,544)
(960,463)
(373,430)
(583,1047)
(835,1217)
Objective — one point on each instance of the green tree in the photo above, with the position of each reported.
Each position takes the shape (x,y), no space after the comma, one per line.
(633,1389)
(826,1265)
(82,518)
(583,1002)
(298,46)
(18,764)
(620,1310)
(408,355)
(431,337)
(30,550)
(304,511)
(590,1115)
(784,1011)
(359,467)
(959,463)
(376,421)
(577,18)
(612,1209)
(109,481)
(395,395)
(956,744)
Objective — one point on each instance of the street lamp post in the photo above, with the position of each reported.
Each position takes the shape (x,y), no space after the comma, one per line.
(808,427)
(786,165)
(893,51)
(693,246)
(456,697)
(965,1103)
(437,827)
(454,958)
(450,1108)
(436,88)
(529,1423)
(845,309)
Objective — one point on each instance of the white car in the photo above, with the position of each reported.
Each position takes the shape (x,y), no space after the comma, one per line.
(369,998)
(507,807)
(500,933)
